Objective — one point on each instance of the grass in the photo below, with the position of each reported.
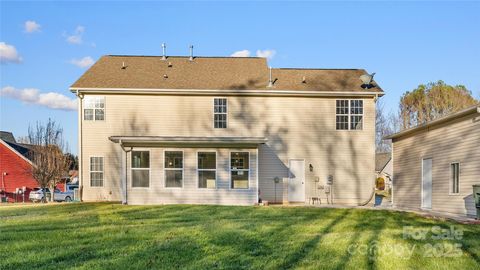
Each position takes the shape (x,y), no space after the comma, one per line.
(111,236)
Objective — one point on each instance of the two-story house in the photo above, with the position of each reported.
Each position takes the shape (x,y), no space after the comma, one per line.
(224,130)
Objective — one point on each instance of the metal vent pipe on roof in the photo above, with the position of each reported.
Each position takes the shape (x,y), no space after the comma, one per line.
(191,53)
(164,51)
(270,81)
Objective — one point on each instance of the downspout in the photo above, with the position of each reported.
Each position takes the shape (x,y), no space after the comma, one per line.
(372,195)
(126,170)
(80,144)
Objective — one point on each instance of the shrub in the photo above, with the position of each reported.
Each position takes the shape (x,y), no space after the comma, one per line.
(380,183)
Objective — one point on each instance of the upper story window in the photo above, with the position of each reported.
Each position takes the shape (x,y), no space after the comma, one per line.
(349,114)
(94,109)
(220,113)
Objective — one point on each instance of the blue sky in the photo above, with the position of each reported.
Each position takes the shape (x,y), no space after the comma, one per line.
(405,43)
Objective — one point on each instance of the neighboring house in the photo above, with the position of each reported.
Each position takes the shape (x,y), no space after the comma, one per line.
(436,164)
(220,130)
(384,167)
(14,168)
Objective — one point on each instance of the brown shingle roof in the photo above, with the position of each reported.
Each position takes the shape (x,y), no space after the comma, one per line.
(222,73)
(381,160)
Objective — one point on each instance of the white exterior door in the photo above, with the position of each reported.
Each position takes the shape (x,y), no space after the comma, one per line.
(427,183)
(296,181)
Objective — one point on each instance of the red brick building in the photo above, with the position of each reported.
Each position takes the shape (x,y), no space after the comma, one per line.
(14,168)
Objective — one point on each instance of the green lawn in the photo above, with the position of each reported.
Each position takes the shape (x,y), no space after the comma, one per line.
(111,236)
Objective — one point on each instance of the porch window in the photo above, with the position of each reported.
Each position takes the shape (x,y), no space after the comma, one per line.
(207,169)
(455,178)
(239,169)
(141,169)
(173,169)
(220,113)
(96,171)
(349,114)
(94,109)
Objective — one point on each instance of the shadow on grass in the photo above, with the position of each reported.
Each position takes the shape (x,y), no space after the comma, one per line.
(307,247)
(94,236)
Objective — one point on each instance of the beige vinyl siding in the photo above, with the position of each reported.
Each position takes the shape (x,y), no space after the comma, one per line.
(296,127)
(157,193)
(454,141)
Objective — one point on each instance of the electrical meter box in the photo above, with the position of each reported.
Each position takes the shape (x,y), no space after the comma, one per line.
(329,180)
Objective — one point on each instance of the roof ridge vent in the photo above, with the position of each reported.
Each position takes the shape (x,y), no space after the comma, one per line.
(191,53)
(164,51)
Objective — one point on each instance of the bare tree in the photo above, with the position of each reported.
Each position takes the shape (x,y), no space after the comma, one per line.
(382,128)
(50,163)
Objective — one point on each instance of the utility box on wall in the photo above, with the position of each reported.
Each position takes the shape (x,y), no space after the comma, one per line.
(329,180)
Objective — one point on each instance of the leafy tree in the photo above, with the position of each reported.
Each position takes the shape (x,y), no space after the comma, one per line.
(431,101)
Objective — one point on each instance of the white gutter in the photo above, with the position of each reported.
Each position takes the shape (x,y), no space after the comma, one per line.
(80,140)
(312,93)
(126,170)
(180,139)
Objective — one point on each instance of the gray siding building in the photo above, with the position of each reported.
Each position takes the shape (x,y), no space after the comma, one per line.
(436,164)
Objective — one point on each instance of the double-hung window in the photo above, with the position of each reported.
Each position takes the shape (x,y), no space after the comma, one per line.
(220,113)
(96,171)
(349,114)
(207,169)
(140,169)
(173,169)
(94,109)
(455,178)
(239,169)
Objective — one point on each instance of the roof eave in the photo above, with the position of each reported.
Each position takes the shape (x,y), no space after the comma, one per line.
(221,91)
(470,110)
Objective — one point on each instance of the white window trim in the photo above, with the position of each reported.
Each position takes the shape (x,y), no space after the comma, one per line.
(104,109)
(173,169)
(214,170)
(450,190)
(350,115)
(141,169)
(230,170)
(90,171)
(213,110)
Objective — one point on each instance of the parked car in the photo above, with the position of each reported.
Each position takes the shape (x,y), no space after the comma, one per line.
(36,195)
(71,187)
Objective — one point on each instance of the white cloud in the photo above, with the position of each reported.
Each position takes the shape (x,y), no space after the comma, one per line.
(32,26)
(50,100)
(8,54)
(242,53)
(77,36)
(266,53)
(260,53)
(83,63)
